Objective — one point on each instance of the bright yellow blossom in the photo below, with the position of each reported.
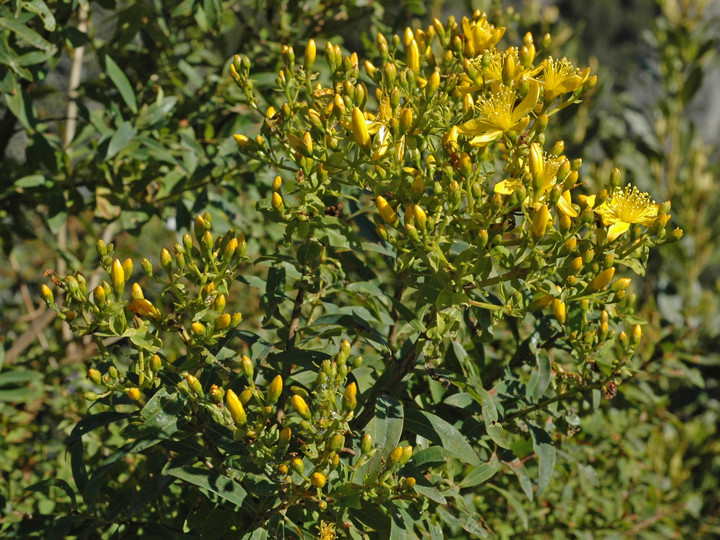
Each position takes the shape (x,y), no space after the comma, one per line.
(550,167)
(560,77)
(626,207)
(481,34)
(499,114)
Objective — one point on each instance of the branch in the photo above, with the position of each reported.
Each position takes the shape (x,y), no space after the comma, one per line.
(388,383)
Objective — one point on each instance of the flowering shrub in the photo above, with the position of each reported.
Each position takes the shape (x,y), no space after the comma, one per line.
(447,302)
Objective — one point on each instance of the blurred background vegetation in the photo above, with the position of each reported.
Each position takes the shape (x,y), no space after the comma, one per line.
(116,121)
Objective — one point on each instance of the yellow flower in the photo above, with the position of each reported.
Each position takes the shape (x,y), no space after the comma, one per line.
(499,114)
(327,531)
(481,34)
(551,166)
(490,69)
(560,77)
(626,207)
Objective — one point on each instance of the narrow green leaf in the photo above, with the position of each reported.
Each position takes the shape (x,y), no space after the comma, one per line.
(482,474)
(515,504)
(40,8)
(545,451)
(385,429)
(440,432)
(213,482)
(27,34)
(121,138)
(121,82)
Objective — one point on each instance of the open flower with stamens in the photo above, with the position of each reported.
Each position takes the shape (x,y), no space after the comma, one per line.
(560,77)
(626,207)
(499,114)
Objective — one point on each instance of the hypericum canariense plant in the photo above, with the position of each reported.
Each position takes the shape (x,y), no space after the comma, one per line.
(430,226)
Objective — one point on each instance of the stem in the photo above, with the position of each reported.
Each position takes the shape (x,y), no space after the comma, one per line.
(388,383)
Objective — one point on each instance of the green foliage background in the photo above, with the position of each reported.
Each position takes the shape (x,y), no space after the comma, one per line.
(152,147)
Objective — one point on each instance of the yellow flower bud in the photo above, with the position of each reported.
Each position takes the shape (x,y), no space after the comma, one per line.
(284,437)
(241,140)
(277,202)
(366,444)
(310,53)
(166,260)
(117,276)
(143,308)
(127,267)
(94,376)
(576,265)
(297,464)
(537,162)
(237,411)
(359,128)
(194,384)
(47,294)
(349,399)
(420,216)
(386,212)
(275,389)
(559,310)
(394,457)
(136,291)
(540,302)
(197,328)
(223,321)
(433,84)
(602,279)
(277,183)
(301,407)
(413,58)
(247,366)
(155,363)
(134,394)
(318,480)
(620,284)
(540,221)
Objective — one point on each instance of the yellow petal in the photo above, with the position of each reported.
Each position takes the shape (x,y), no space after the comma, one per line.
(475,126)
(617,229)
(521,125)
(486,138)
(564,204)
(508,187)
(527,104)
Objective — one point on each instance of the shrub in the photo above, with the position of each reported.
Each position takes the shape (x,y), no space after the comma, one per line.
(443,306)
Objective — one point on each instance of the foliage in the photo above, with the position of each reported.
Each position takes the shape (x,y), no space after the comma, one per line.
(435,281)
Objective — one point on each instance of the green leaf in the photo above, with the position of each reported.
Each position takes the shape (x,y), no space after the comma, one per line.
(28,35)
(545,451)
(489,410)
(121,138)
(467,522)
(440,432)
(515,504)
(385,429)
(121,82)
(40,8)
(160,416)
(401,524)
(482,474)
(407,314)
(19,377)
(209,480)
